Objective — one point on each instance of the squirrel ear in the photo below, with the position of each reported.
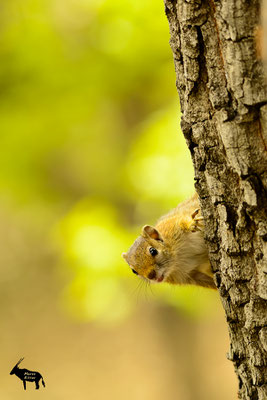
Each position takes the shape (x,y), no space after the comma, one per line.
(151,232)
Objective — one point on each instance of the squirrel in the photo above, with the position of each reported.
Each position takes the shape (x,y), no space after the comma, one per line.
(173,251)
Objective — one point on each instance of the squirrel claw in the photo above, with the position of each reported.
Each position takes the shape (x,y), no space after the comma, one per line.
(195,213)
(200,218)
(197,224)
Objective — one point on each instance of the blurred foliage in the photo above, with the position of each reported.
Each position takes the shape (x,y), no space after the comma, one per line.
(91,148)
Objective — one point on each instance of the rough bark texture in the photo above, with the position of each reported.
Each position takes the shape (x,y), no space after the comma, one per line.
(223,98)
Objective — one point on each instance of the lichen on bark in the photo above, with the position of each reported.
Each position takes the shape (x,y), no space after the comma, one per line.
(223,95)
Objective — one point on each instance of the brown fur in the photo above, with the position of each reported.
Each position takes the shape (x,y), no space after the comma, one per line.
(182,254)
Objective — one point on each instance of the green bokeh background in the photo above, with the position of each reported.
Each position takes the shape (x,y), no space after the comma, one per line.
(90,142)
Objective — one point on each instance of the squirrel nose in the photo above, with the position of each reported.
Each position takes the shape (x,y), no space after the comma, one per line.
(124,255)
(152,274)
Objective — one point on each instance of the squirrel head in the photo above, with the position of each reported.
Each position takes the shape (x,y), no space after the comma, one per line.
(146,255)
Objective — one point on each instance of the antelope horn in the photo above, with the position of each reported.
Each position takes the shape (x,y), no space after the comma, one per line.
(20,361)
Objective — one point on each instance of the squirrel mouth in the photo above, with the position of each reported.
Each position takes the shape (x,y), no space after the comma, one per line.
(160,279)
(153,276)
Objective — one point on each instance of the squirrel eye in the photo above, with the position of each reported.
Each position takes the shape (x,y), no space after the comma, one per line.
(153,251)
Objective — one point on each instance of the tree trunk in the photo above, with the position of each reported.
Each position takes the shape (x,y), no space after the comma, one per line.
(222,90)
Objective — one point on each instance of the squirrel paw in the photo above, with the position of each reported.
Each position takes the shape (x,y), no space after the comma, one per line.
(197,224)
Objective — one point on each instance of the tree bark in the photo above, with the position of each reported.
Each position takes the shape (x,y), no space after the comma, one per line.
(223,96)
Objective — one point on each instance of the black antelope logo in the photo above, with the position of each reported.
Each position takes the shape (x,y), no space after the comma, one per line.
(26,375)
